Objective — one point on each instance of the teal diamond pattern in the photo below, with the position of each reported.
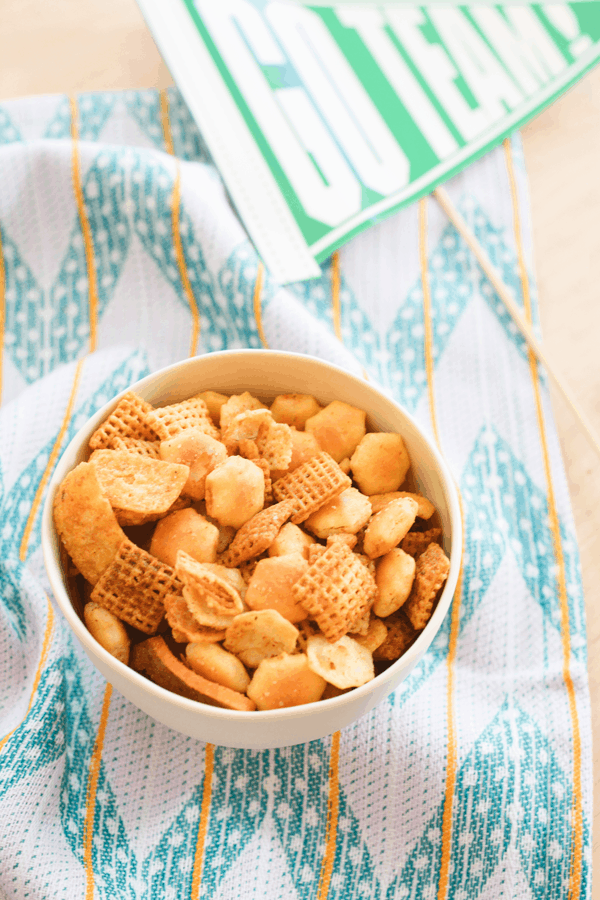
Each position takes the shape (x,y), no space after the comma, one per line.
(152,188)
(144,107)
(17,502)
(505,511)
(93,110)
(9,133)
(236,282)
(358,334)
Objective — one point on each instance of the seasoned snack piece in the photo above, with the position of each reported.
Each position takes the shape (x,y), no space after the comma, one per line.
(336,591)
(107,630)
(285,681)
(235,491)
(255,636)
(185,530)
(348,539)
(138,486)
(263,465)
(304,447)
(416,542)
(380,463)
(345,466)
(311,485)
(314,552)
(394,574)
(236,404)
(203,588)
(134,587)
(425,508)
(400,635)
(216,664)
(257,533)
(294,409)
(431,572)
(135,445)
(291,539)
(169,421)
(214,401)
(338,428)
(344,663)
(249,425)
(375,636)
(233,576)
(247,569)
(344,514)
(129,419)
(183,624)
(387,528)
(86,523)
(276,446)
(360,626)
(154,658)
(201,452)
(249,450)
(271,585)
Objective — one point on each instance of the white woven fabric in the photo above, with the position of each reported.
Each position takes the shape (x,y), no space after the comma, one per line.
(521,796)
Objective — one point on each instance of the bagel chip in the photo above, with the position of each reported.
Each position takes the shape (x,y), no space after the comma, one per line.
(86,523)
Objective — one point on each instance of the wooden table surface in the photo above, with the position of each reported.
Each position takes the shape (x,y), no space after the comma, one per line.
(81,45)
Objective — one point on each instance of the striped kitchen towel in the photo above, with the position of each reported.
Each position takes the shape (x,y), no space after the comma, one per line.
(120,254)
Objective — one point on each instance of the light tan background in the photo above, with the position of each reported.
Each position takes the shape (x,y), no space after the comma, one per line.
(80,45)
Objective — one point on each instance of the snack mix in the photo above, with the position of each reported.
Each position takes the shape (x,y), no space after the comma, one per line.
(247,557)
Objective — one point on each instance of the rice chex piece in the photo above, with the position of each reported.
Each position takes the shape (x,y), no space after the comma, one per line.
(311,485)
(399,637)
(336,591)
(129,419)
(431,572)
(134,587)
(416,542)
(169,421)
(257,534)
(135,445)
(163,668)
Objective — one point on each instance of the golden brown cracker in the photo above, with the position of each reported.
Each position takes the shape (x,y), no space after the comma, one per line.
(137,483)
(184,625)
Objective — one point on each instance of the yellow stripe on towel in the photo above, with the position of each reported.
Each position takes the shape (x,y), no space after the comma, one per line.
(86,231)
(175,229)
(90,804)
(203,824)
(576,848)
(452,752)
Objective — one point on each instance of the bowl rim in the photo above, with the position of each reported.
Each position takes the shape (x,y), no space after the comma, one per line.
(50,540)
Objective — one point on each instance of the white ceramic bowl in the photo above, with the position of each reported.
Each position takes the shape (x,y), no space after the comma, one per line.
(265,373)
